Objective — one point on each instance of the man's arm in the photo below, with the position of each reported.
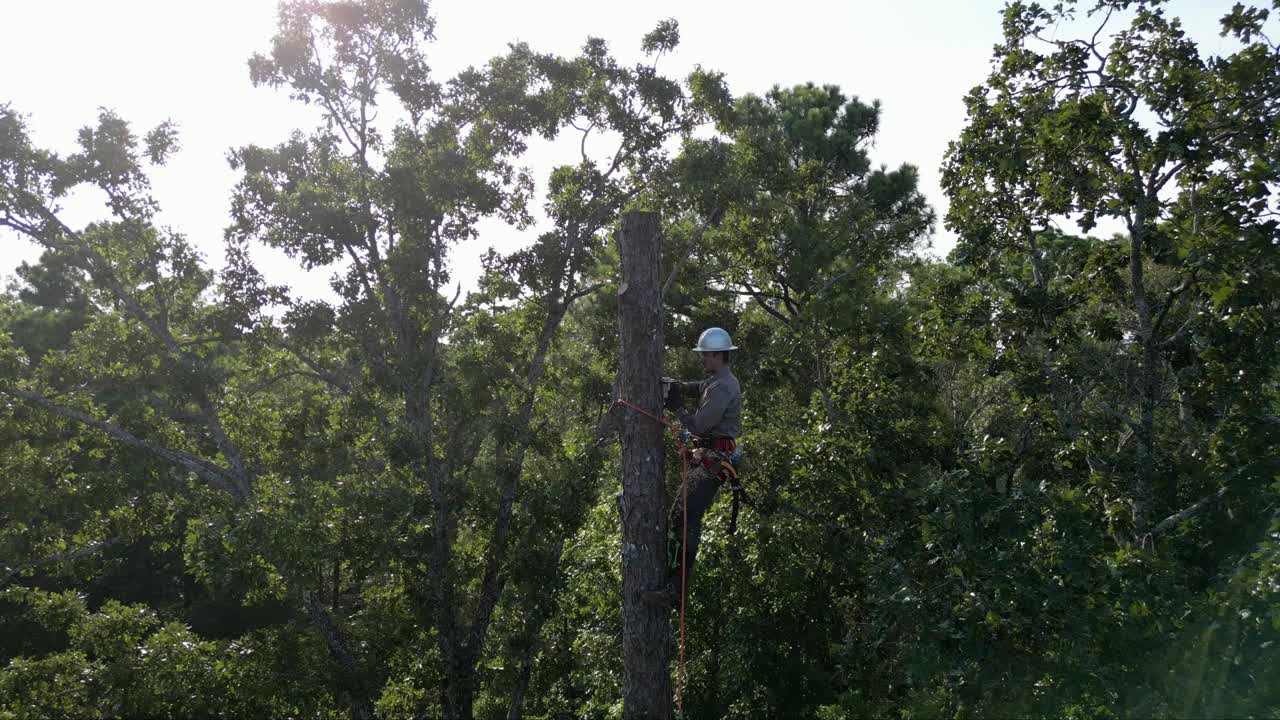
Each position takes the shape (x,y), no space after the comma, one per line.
(714,403)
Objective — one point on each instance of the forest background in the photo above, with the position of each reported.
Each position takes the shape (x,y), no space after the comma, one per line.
(1035,478)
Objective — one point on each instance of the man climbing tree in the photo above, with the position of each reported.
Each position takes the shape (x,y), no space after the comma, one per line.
(713,430)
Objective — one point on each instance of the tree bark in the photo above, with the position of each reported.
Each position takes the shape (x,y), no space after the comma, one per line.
(458,693)
(515,711)
(646,631)
(1144,463)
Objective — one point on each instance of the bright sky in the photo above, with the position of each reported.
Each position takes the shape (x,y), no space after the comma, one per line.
(184,60)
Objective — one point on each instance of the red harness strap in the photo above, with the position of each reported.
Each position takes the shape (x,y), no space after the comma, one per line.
(721,444)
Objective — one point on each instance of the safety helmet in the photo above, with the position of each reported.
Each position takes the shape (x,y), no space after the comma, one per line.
(714,340)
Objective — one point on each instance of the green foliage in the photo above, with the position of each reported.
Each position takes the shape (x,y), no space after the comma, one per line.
(1037,479)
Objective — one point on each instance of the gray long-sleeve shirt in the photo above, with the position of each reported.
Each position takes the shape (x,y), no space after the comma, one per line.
(720,406)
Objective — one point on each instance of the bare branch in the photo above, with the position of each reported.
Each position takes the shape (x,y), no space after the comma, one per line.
(675,269)
(1190,511)
(578,295)
(339,118)
(1168,301)
(835,279)
(215,475)
(86,551)
(747,293)
(1093,41)
(270,380)
(786,291)
(193,342)
(101,269)
(1181,332)
(10,221)
(755,295)
(361,706)
(363,273)
(1158,184)
(582,146)
(671,277)
(512,466)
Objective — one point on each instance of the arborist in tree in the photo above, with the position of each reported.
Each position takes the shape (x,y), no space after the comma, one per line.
(713,432)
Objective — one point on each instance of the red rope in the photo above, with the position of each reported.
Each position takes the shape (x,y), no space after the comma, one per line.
(684,543)
(684,579)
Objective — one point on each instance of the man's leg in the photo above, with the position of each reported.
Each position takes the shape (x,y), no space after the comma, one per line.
(703,485)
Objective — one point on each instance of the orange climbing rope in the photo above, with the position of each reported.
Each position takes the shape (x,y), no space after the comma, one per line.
(684,535)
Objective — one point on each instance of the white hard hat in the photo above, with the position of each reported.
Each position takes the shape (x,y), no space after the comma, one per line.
(714,340)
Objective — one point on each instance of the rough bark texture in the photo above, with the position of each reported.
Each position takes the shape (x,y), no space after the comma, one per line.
(646,631)
(1144,463)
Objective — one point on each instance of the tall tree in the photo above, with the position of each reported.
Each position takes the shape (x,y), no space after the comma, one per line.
(424,449)
(646,630)
(800,221)
(180,409)
(1135,124)
(460,423)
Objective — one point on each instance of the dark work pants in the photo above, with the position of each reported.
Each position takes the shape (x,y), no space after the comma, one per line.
(703,485)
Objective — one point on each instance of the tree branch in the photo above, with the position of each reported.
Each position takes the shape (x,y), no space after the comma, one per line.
(213,474)
(86,551)
(495,577)
(755,295)
(675,268)
(1168,301)
(578,295)
(361,705)
(101,269)
(1190,511)
(1180,333)
(582,146)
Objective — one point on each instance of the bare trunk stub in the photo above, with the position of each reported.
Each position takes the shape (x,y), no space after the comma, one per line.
(646,631)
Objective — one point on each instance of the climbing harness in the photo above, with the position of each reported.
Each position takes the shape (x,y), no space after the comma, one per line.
(724,463)
(730,468)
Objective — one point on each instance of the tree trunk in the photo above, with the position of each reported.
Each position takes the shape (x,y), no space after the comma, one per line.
(1144,470)
(1144,463)
(540,610)
(646,631)
(516,710)
(361,702)
(457,695)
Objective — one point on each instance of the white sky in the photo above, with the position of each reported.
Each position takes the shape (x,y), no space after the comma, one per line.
(184,60)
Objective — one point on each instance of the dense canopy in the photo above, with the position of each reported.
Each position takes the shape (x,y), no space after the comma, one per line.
(1037,478)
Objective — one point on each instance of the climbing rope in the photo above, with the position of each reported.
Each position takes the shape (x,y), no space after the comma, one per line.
(684,535)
